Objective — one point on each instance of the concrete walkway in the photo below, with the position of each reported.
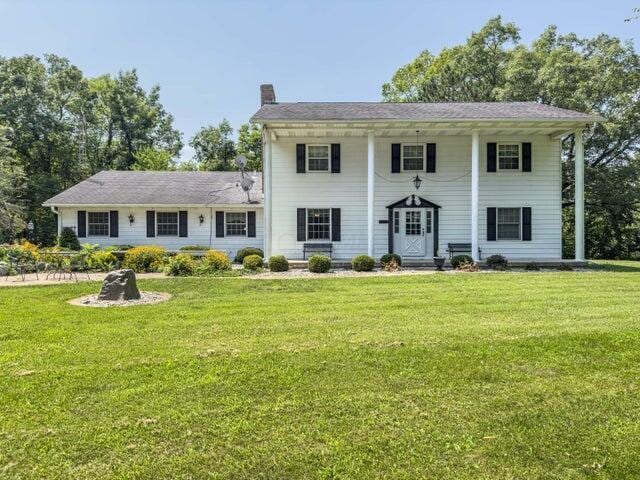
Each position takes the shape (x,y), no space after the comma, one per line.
(30,279)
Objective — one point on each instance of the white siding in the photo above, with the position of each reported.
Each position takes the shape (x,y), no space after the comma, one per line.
(136,234)
(449,187)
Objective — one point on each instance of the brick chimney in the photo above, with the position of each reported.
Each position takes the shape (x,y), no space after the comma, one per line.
(267,94)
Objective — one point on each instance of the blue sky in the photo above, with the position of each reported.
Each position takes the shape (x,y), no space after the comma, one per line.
(209,57)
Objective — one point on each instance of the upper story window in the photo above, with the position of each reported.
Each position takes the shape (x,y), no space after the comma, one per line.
(508,224)
(318,158)
(98,223)
(318,224)
(167,224)
(413,157)
(235,224)
(508,156)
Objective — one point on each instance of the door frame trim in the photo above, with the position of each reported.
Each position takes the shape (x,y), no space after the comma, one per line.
(413,201)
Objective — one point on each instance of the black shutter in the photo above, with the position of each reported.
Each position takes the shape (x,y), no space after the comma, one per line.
(302,224)
(492,157)
(335,158)
(183,224)
(113,223)
(526,224)
(491,224)
(151,223)
(82,223)
(335,224)
(219,224)
(251,224)
(300,157)
(395,158)
(431,158)
(526,157)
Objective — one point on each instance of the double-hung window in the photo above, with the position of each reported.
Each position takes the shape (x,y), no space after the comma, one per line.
(167,224)
(318,158)
(413,157)
(509,223)
(318,223)
(508,156)
(98,223)
(235,224)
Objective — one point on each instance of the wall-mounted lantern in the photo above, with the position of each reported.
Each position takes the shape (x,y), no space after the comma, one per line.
(131,219)
(201,218)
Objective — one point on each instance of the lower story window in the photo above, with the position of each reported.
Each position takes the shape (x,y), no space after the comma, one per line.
(396,221)
(167,224)
(98,223)
(428,212)
(318,223)
(508,224)
(236,224)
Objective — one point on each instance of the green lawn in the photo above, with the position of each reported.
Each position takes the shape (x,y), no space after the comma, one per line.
(469,376)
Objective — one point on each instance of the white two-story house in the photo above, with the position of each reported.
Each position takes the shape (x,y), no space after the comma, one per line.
(417,178)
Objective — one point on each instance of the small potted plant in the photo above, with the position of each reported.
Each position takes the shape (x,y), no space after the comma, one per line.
(438,262)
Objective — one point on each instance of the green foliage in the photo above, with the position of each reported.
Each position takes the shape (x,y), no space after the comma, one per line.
(532,267)
(362,263)
(214,147)
(278,263)
(102,260)
(565,267)
(458,260)
(181,265)
(12,183)
(215,260)
(388,257)
(252,262)
(497,262)
(68,239)
(194,248)
(319,264)
(148,158)
(145,258)
(250,145)
(243,252)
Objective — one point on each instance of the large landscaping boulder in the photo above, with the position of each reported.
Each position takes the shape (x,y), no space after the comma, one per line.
(119,285)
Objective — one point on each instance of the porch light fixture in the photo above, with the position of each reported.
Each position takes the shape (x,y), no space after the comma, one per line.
(131,219)
(417,182)
(201,218)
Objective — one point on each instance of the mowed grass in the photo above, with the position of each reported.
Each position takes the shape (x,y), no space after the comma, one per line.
(466,376)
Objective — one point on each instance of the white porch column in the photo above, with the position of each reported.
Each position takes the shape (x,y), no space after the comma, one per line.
(475,174)
(371,156)
(579,195)
(266,179)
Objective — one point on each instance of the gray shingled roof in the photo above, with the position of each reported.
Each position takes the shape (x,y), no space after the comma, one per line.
(379,111)
(113,187)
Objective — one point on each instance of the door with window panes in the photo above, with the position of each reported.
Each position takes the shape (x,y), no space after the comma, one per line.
(413,232)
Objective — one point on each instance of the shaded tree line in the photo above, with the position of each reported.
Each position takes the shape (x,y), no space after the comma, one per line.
(599,75)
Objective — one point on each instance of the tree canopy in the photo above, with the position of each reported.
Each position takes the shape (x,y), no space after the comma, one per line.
(599,75)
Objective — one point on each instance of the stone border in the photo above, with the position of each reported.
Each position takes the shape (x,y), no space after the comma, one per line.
(146,298)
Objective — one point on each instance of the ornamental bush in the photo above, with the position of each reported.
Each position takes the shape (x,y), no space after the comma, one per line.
(363,263)
(191,248)
(278,263)
(497,262)
(145,258)
(458,260)
(252,262)
(68,239)
(244,252)
(215,261)
(319,264)
(181,265)
(102,260)
(388,257)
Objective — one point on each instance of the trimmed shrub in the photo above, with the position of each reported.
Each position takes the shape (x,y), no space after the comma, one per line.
(458,260)
(565,267)
(319,264)
(181,265)
(244,252)
(252,262)
(278,263)
(189,248)
(68,239)
(497,262)
(362,263)
(532,267)
(145,258)
(102,260)
(215,260)
(468,267)
(388,257)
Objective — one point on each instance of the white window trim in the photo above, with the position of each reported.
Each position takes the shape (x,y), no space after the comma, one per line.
(519,169)
(519,239)
(108,224)
(317,240)
(424,157)
(246,226)
(177,223)
(306,157)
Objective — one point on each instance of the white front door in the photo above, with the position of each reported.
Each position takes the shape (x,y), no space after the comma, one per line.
(412,232)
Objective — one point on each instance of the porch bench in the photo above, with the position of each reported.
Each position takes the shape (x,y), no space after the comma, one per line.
(454,248)
(316,248)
